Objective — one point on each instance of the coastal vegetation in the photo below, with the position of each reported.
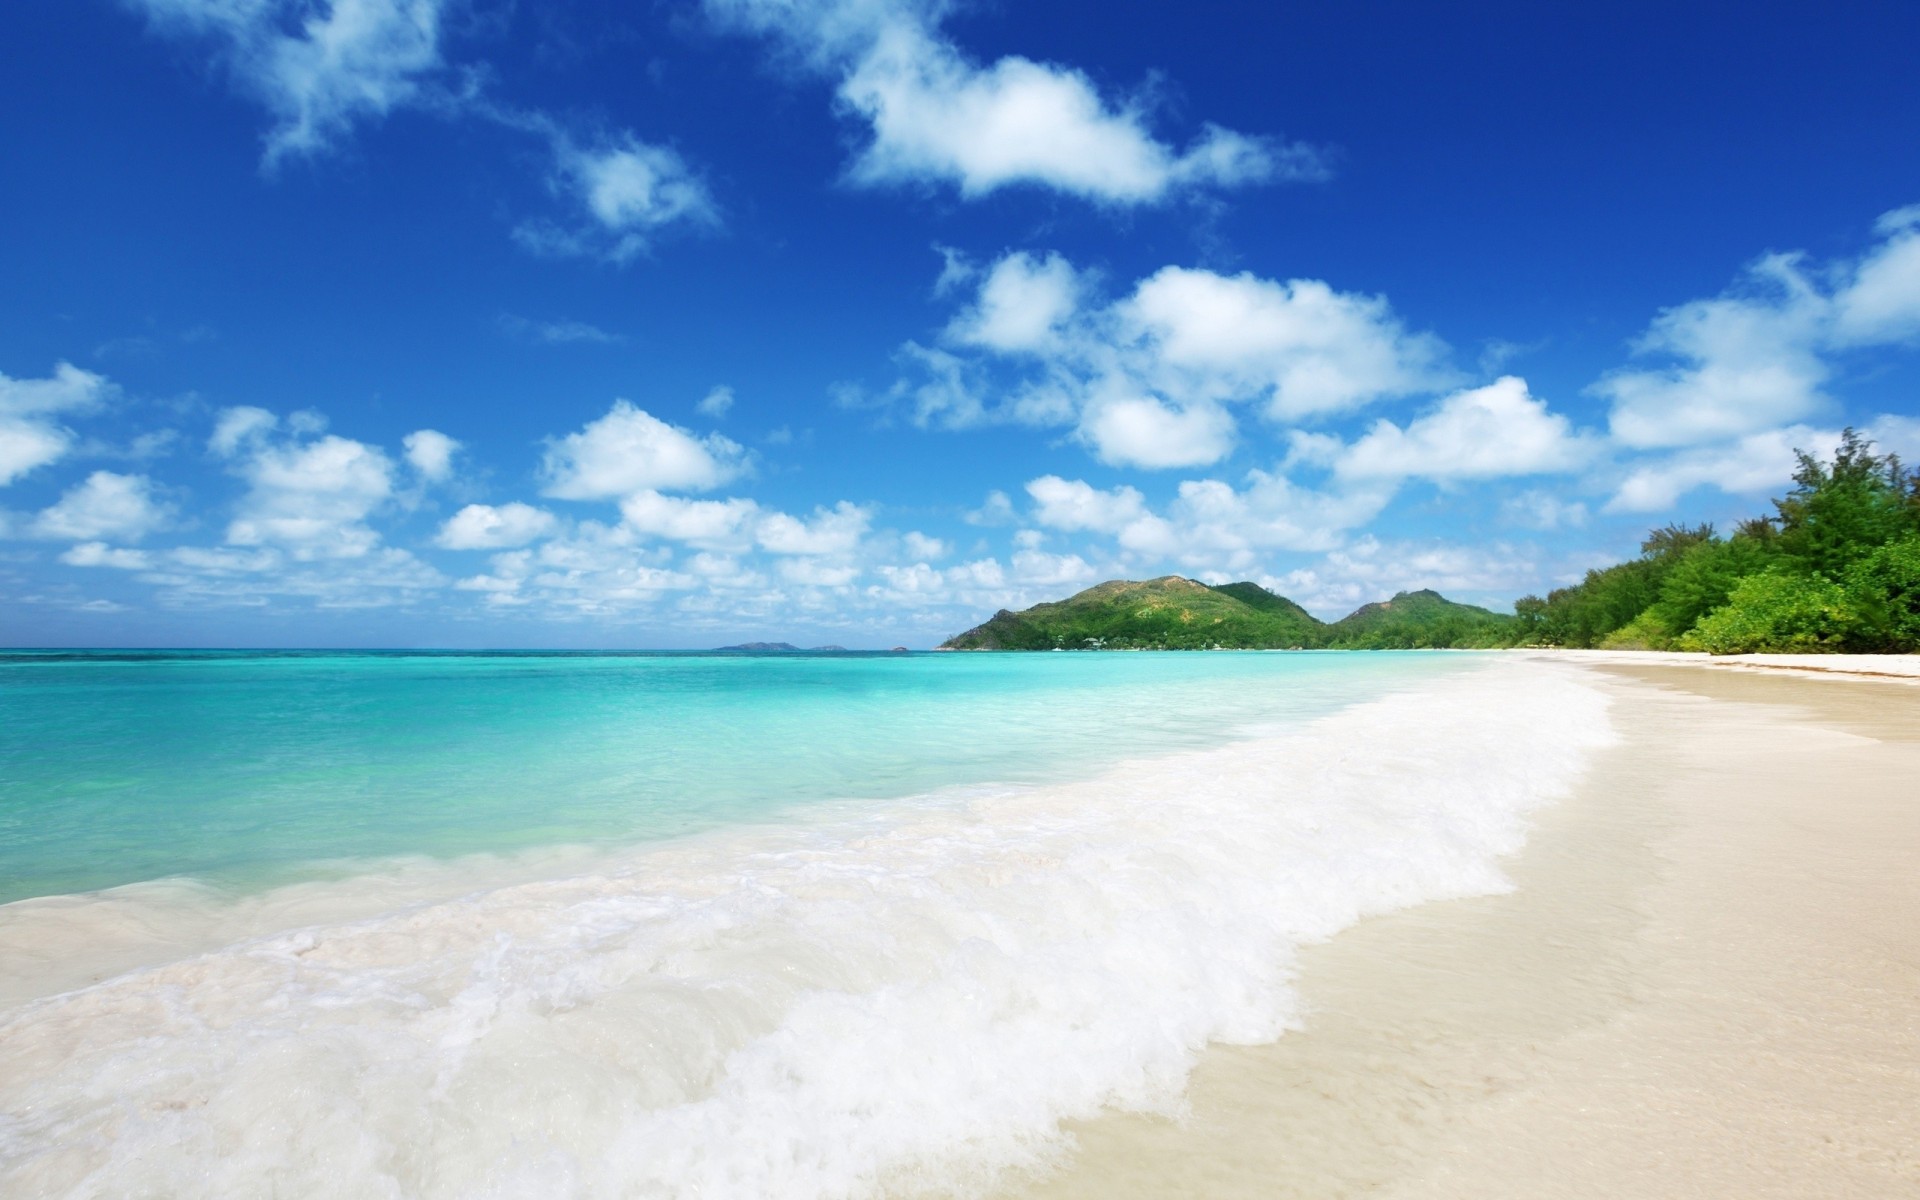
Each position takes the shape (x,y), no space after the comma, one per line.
(1835,568)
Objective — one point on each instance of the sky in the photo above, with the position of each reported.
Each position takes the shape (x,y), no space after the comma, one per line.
(484,323)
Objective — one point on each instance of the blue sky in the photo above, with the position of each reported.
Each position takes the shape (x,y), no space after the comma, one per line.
(481,323)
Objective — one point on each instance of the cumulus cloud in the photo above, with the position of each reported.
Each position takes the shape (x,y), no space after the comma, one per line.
(1210,526)
(237,426)
(1307,347)
(1143,431)
(1758,356)
(319,66)
(1748,360)
(1074,504)
(1752,465)
(1151,379)
(830,531)
(430,453)
(716,403)
(1021,305)
(309,495)
(1481,433)
(106,505)
(630,450)
(935,116)
(712,523)
(31,434)
(495,527)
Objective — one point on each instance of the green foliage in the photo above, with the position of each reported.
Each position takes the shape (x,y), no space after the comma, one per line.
(1645,632)
(1777,611)
(1169,613)
(1705,576)
(1420,621)
(1836,568)
(1838,513)
(1884,588)
(1172,613)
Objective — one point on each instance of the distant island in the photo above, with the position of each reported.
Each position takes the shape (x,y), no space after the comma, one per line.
(1836,569)
(775,648)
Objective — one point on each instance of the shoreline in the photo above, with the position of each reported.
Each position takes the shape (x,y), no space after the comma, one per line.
(1704,985)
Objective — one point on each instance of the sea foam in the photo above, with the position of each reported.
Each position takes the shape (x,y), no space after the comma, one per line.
(898,997)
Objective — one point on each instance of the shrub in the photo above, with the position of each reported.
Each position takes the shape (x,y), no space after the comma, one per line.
(1884,589)
(1780,612)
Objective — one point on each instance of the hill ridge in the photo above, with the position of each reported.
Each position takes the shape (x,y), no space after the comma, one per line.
(1173,612)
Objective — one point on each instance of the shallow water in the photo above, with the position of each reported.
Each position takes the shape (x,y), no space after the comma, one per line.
(253,769)
(808,984)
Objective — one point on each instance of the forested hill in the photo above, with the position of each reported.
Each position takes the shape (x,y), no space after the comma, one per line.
(1173,613)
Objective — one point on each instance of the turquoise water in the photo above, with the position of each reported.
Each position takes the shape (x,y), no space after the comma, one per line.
(251,769)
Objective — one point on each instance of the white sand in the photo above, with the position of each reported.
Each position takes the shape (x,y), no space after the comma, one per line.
(1707,984)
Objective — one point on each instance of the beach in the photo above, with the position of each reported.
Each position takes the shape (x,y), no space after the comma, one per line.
(1706,982)
(1463,925)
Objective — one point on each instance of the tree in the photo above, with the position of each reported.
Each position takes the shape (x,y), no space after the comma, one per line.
(1840,512)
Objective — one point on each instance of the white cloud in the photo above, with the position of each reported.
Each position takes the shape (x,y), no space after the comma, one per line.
(320,67)
(1021,305)
(1881,302)
(1897,435)
(1749,361)
(495,527)
(99,554)
(431,453)
(1312,349)
(309,497)
(716,403)
(937,117)
(30,433)
(713,523)
(1151,379)
(630,450)
(1757,356)
(237,426)
(1143,431)
(1217,525)
(924,547)
(627,190)
(1073,504)
(831,531)
(1753,465)
(1481,433)
(106,505)
(1535,509)
(1370,570)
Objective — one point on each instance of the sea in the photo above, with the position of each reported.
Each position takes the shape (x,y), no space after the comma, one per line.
(673,924)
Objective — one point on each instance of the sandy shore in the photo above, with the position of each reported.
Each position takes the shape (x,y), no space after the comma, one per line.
(1706,983)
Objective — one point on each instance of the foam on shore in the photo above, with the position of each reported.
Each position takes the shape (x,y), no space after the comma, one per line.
(898,996)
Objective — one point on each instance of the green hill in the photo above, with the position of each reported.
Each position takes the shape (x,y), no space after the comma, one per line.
(1169,613)
(1420,620)
(1173,613)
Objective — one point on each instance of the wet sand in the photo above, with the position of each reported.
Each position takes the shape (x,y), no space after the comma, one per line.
(1706,983)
